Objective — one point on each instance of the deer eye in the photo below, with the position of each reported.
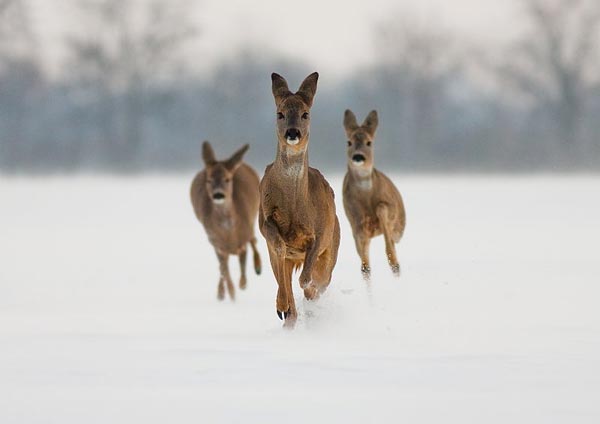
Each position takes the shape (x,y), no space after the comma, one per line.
(368,143)
(305,115)
(280,115)
(349,143)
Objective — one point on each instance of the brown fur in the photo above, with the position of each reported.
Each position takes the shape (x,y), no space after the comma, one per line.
(297,210)
(372,203)
(229,225)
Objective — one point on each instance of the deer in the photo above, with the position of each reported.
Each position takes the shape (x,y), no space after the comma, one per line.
(297,215)
(372,202)
(225,199)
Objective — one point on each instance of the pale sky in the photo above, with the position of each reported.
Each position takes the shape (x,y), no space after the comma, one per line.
(332,36)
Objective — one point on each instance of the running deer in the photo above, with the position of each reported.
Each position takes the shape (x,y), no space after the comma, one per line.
(225,200)
(372,203)
(297,210)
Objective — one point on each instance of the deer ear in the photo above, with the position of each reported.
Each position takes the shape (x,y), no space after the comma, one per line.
(371,122)
(350,123)
(208,154)
(279,87)
(235,160)
(308,88)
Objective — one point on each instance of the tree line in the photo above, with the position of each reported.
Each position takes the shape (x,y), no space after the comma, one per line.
(126,99)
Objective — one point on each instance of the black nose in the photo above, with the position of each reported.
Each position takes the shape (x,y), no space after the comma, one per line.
(358,158)
(292,133)
(218,196)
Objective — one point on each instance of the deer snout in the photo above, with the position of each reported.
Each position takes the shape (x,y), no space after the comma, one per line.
(292,135)
(218,197)
(358,159)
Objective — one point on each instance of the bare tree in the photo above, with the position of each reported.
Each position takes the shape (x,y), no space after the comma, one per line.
(20,80)
(419,61)
(16,35)
(557,61)
(126,47)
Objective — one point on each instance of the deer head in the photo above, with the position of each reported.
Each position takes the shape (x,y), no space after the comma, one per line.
(293,112)
(360,140)
(219,174)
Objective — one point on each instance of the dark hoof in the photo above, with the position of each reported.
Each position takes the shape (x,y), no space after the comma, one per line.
(366,272)
(396,270)
(257,270)
(283,315)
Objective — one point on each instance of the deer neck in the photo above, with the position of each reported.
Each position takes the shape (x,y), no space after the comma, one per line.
(293,168)
(363,177)
(224,214)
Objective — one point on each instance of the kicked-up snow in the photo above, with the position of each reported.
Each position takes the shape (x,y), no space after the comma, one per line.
(108,311)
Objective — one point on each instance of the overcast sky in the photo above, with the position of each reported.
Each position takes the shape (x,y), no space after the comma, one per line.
(333,36)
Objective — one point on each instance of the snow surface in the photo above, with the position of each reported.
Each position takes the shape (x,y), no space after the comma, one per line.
(108,311)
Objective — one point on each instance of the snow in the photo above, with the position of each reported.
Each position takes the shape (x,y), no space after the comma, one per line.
(108,310)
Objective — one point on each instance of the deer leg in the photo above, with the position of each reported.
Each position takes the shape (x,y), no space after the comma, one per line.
(221,289)
(255,256)
(224,268)
(362,247)
(242,258)
(292,315)
(326,261)
(321,276)
(312,252)
(221,286)
(387,227)
(282,268)
(277,266)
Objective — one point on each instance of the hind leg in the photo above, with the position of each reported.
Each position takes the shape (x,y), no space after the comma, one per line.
(362,247)
(387,227)
(221,285)
(224,268)
(255,256)
(242,258)
(221,289)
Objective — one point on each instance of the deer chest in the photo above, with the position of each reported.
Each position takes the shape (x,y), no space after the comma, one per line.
(295,234)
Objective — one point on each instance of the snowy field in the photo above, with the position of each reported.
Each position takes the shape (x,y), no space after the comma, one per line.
(108,311)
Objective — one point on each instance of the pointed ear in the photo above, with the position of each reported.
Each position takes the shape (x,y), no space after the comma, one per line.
(279,87)
(308,88)
(235,160)
(350,124)
(208,154)
(371,122)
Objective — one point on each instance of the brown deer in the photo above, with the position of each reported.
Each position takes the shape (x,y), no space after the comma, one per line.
(372,203)
(297,210)
(225,200)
